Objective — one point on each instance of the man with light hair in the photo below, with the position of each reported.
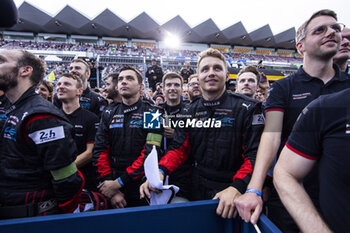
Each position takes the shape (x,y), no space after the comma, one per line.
(88,100)
(223,152)
(318,40)
(194,89)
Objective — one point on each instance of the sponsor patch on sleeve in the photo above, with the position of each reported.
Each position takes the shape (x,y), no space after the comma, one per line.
(47,135)
(258,119)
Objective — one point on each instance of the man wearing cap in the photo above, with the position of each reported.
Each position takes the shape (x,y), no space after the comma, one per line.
(231,86)
(154,74)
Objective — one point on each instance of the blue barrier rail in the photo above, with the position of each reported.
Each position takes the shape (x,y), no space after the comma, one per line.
(195,217)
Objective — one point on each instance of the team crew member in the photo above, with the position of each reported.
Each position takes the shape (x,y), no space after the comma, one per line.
(88,100)
(186,72)
(318,39)
(194,89)
(248,81)
(4,104)
(223,155)
(38,175)
(343,55)
(69,88)
(172,88)
(322,135)
(121,139)
(111,87)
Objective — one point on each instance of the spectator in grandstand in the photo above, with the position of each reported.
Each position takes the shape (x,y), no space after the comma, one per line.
(158,91)
(186,71)
(88,100)
(144,97)
(112,88)
(194,89)
(318,40)
(321,135)
(231,86)
(69,88)
(4,104)
(247,81)
(154,74)
(45,89)
(121,139)
(343,55)
(37,149)
(185,95)
(8,13)
(172,86)
(221,167)
(159,100)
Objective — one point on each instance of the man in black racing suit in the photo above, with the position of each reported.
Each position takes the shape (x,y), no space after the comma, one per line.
(38,175)
(89,100)
(220,134)
(121,139)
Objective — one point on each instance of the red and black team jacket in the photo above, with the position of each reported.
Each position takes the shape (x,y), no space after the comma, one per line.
(121,139)
(36,149)
(220,138)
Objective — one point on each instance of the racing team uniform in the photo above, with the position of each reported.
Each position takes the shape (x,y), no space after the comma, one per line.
(4,104)
(38,175)
(85,125)
(181,176)
(120,140)
(322,133)
(291,95)
(222,156)
(88,100)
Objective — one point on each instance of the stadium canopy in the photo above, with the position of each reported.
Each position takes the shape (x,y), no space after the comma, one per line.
(69,21)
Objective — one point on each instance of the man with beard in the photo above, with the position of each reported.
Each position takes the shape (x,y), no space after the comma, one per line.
(194,89)
(121,138)
(88,100)
(223,152)
(69,88)
(343,55)
(38,175)
(111,87)
(248,81)
(318,40)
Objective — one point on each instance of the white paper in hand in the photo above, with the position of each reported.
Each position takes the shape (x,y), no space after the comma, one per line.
(152,175)
(152,169)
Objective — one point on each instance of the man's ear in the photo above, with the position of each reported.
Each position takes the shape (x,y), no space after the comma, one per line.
(25,71)
(300,47)
(227,76)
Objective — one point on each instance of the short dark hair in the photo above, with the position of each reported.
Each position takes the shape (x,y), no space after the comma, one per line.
(172,75)
(114,76)
(138,74)
(38,65)
(251,69)
(75,77)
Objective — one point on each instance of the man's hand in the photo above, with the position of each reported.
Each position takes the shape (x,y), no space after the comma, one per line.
(145,188)
(265,83)
(226,207)
(249,207)
(118,200)
(109,188)
(169,132)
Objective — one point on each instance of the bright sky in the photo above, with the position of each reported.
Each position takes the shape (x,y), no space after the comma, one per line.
(279,14)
